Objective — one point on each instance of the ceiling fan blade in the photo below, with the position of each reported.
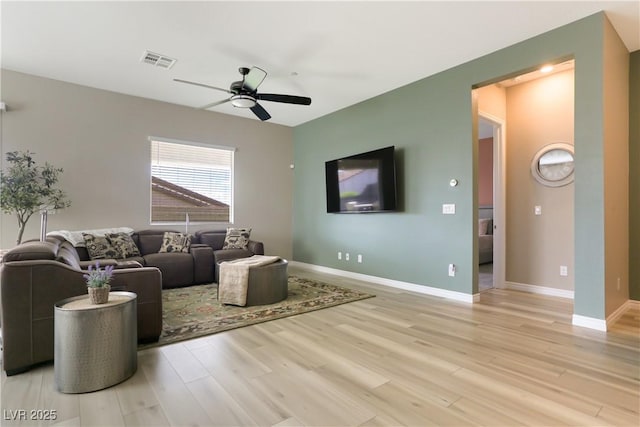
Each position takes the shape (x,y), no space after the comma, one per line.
(213,104)
(253,79)
(202,85)
(260,112)
(289,99)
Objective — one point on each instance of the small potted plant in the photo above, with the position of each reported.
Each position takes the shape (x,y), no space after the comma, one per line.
(98,283)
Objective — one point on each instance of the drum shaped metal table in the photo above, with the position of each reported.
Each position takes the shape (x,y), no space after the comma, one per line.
(95,345)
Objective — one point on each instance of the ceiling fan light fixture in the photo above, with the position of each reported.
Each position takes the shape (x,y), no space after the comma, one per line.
(243,101)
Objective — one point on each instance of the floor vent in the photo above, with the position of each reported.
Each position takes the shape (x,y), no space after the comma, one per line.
(157,59)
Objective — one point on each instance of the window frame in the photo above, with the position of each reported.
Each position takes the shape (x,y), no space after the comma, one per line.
(232,150)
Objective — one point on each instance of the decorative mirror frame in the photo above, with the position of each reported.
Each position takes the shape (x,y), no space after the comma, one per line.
(535,165)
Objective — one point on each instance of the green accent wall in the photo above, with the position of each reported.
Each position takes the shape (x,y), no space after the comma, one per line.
(634,176)
(430,123)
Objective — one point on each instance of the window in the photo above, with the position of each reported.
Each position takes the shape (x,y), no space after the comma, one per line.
(190,182)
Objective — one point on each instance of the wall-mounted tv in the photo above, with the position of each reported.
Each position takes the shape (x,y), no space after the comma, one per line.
(362,183)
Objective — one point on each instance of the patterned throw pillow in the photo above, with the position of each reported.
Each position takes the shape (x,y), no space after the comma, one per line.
(237,238)
(175,242)
(124,244)
(99,247)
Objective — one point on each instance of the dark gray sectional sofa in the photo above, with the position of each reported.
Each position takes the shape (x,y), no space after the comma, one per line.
(35,275)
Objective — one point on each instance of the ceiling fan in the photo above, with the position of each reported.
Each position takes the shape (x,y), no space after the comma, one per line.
(244,93)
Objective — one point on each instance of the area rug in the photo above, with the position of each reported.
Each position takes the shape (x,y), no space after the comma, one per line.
(194,311)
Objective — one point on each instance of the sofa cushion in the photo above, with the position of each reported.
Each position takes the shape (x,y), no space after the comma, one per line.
(215,239)
(149,241)
(237,238)
(124,244)
(176,267)
(175,242)
(99,247)
(136,259)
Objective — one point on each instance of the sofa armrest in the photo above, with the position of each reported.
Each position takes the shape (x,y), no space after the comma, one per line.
(256,247)
(146,283)
(203,263)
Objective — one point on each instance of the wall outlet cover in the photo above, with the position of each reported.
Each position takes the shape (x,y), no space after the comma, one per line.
(452,270)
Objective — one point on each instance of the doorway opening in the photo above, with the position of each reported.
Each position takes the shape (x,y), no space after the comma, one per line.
(533,219)
(490,202)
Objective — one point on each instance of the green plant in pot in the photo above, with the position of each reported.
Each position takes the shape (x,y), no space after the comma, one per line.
(25,188)
(98,283)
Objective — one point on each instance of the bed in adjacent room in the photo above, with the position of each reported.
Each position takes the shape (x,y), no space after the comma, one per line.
(485,234)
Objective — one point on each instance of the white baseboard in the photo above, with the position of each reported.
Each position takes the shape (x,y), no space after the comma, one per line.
(589,322)
(605,325)
(543,290)
(422,289)
(613,317)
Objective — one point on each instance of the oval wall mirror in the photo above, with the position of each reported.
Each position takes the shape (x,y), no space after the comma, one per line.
(553,165)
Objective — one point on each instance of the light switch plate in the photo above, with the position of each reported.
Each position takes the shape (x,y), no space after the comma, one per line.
(537,210)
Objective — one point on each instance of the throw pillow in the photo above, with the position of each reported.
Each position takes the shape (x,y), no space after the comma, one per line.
(237,238)
(175,242)
(124,244)
(99,247)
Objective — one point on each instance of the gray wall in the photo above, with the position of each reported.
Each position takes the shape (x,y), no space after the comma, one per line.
(430,122)
(539,113)
(100,139)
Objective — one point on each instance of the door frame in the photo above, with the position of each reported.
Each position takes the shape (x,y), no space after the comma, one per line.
(499,197)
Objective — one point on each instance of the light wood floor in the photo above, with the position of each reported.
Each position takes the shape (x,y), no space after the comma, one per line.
(401,358)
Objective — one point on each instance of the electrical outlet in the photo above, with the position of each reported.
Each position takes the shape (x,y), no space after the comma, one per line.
(452,270)
(564,271)
(339,255)
(346,256)
(449,209)
(360,258)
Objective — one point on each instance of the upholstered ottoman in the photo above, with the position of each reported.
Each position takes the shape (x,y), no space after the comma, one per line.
(268,284)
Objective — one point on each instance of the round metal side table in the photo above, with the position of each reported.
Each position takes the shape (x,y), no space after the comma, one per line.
(95,346)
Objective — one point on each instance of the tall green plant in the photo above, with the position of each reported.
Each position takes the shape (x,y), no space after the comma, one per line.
(26,188)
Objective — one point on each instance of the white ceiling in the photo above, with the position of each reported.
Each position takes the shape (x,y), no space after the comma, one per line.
(343,52)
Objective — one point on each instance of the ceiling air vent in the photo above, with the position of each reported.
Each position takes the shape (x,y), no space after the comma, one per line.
(157,59)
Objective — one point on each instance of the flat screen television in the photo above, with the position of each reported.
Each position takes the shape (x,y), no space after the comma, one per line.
(362,183)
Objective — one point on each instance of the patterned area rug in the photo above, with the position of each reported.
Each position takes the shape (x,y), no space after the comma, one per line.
(194,311)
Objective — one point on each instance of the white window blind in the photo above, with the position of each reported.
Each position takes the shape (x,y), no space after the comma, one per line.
(190,179)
